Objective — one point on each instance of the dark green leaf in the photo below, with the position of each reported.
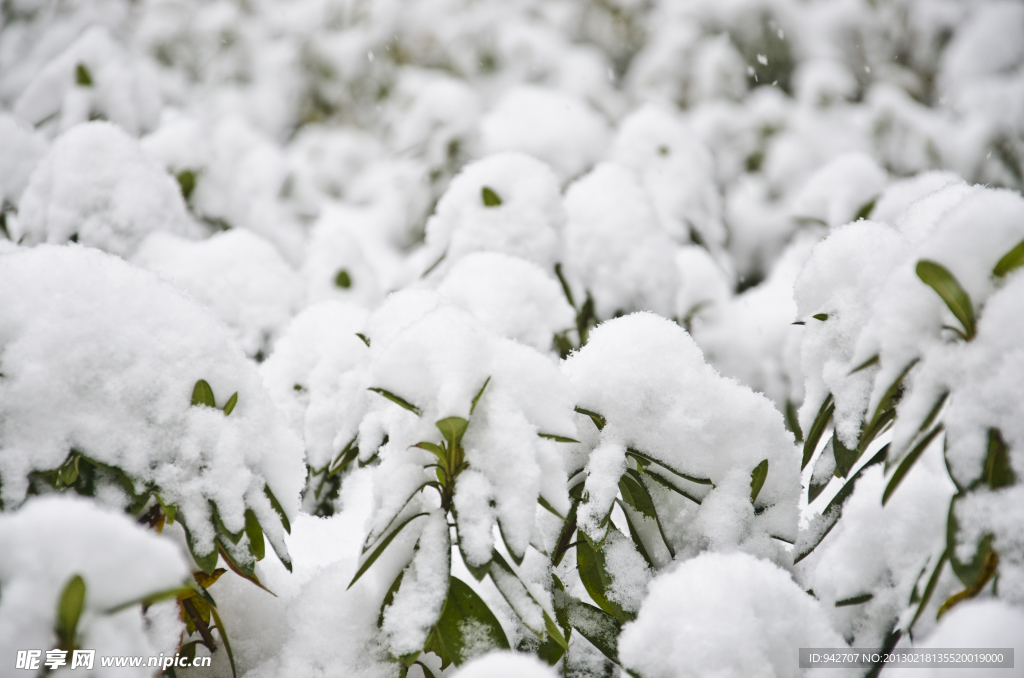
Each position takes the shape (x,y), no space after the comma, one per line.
(476,398)
(452,638)
(255,533)
(757,478)
(380,547)
(968,572)
(229,406)
(889,400)
(793,421)
(517,556)
(402,402)
(517,595)
(873,360)
(865,211)
(490,198)
(69,610)
(855,600)
(820,316)
(82,76)
(909,460)
(565,285)
(845,457)
(277,507)
(234,537)
(565,537)
(817,429)
(150,599)
(595,577)
(389,597)
(597,626)
(547,506)
(375,534)
(668,484)
(207,562)
(224,637)
(598,420)
(634,534)
(186,182)
(636,496)
(452,428)
(647,459)
(939,278)
(558,438)
(997,470)
(342,279)
(929,589)
(366,340)
(202,394)
(1010,262)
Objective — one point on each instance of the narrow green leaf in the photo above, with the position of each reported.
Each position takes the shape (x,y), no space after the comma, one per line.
(798,322)
(845,457)
(554,632)
(490,198)
(517,595)
(224,637)
(820,316)
(202,394)
(551,509)
(939,278)
(1010,261)
(647,459)
(380,547)
(873,360)
(634,534)
(598,420)
(69,610)
(668,484)
(452,428)
(229,406)
(855,600)
(557,438)
(476,398)
(644,502)
(207,562)
(277,507)
(968,572)
(997,470)
(342,279)
(909,460)
(234,537)
(929,589)
(757,478)
(374,535)
(366,340)
(82,76)
(255,533)
(150,599)
(817,429)
(566,290)
(402,402)
(456,641)
(595,578)
(389,597)
(793,421)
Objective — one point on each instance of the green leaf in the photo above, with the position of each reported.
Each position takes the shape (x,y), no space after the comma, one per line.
(69,610)
(1010,262)
(517,595)
(229,406)
(636,496)
(402,402)
(255,533)
(855,600)
(595,577)
(668,484)
(476,398)
(342,279)
(968,572)
(366,340)
(82,76)
(455,640)
(939,278)
(598,420)
(202,394)
(558,438)
(206,562)
(380,547)
(389,597)
(166,594)
(757,478)
(997,470)
(820,316)
(452,428)
(224,637)
(873,360)
(69,471)
(490,198)
(845,457)
(234,537)
(568,529)
(817,429)
(277,507)
(547,506)
(929,589)
(634,534)
(909,460)
(793,421)
(647,459)
(374,535)
(865,211)
(186,182)
(597,626)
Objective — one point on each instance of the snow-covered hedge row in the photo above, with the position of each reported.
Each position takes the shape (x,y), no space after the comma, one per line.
(534,337)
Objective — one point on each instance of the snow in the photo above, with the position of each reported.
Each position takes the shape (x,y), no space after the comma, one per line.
(724,615)
(48,541)
(95,186)
(79,321)
(505,665)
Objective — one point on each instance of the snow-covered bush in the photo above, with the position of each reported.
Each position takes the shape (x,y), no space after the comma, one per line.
(581,330)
